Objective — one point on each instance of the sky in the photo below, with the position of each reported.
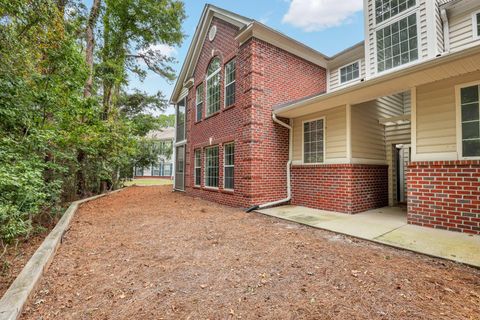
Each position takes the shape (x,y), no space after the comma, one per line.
(328,26)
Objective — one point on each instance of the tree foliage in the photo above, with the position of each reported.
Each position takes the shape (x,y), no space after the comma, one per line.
(53,133)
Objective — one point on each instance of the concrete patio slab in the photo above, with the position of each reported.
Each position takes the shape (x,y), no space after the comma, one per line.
(389,226)
(450,245)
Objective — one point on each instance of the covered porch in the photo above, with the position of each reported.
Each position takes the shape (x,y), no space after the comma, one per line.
(387,225)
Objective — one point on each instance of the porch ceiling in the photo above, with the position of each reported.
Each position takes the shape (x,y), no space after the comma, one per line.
(447,66)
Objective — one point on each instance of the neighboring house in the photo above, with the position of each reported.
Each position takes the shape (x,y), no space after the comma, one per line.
(164,167)
(263,119)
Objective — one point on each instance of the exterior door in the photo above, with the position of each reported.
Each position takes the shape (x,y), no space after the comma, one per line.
(180,168)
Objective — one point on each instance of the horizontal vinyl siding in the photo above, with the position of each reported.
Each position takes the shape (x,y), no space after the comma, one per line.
(422,31)
(436,118)
(422,27)
(368,135)
(461,31)
(335,79)
(335,133)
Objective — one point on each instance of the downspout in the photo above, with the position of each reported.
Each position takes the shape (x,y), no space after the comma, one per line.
(289,164)
(446,31)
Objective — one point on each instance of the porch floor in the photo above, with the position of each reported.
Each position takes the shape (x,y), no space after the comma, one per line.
(388,226)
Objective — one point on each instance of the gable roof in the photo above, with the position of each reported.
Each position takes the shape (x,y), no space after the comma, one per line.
(247,28)
(209,11)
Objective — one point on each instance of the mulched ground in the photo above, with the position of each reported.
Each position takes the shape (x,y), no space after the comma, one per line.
(148,253)
(17,255)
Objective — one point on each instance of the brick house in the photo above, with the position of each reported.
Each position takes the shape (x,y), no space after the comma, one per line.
(264,120)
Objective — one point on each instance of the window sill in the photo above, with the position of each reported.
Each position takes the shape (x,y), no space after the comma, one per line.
(228,191)
(214,189)
(197,187)
(213,114)
(229,107)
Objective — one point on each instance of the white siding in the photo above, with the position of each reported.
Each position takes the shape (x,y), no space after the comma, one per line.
(371,25)
(335,76)
(461,30)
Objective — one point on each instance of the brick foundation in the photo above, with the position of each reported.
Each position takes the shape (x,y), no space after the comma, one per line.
(445,195)
(348,188)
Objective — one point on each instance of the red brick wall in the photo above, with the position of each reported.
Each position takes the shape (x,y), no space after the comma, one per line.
(348,188)
(445,195)
(265,76)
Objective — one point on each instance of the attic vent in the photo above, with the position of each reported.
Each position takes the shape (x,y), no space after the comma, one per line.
(212,33)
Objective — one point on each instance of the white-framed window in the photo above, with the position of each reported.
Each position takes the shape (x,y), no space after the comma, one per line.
(314,141)
(199,102)
(228,165)
(476,25)
(349,72)
(468,104)
(198,167)
(386,9)
(213,87)
(211,167)
(230,83)
(397,43)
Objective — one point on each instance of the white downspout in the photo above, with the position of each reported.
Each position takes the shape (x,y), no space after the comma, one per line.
(446,31)
(289,164)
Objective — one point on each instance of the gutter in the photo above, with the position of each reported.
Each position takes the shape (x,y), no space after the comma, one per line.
(289,165)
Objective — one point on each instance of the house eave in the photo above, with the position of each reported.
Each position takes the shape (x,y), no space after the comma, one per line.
(262,32)
(406,79)
(209,12)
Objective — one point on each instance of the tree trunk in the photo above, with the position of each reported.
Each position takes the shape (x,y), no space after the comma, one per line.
(90,38)
(87,91)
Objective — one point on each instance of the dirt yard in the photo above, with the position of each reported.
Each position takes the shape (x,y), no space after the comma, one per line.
(148,253)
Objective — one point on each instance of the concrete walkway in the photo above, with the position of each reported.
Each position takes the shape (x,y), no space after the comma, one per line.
(388,226)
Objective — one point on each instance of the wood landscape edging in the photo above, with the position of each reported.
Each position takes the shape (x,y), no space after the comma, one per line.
(15,298)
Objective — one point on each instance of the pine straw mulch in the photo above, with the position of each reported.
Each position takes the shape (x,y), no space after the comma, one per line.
(148,253)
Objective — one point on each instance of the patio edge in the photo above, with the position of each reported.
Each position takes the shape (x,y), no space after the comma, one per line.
(17,295)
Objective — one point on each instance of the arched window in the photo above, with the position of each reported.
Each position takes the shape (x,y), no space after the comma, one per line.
(213,87)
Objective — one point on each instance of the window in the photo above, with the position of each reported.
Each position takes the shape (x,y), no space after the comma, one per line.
(156,169)
(313,141)
(198,167)
(180,120)
(230,83)
(211,167)
(386,9)
(350,72)
(138,171)
(397,43)
(199,102)
(228,165)
(167,169)
(213,87)
(470,120)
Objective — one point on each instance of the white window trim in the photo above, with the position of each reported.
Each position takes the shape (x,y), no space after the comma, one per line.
(227,84)
(205,167)
(324,140)
(394,18)
(184,141)
(195,167)
(228,166)
(197,103)
(475,22)
(340,83)
(458,112)
(406,65)
(206,89)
